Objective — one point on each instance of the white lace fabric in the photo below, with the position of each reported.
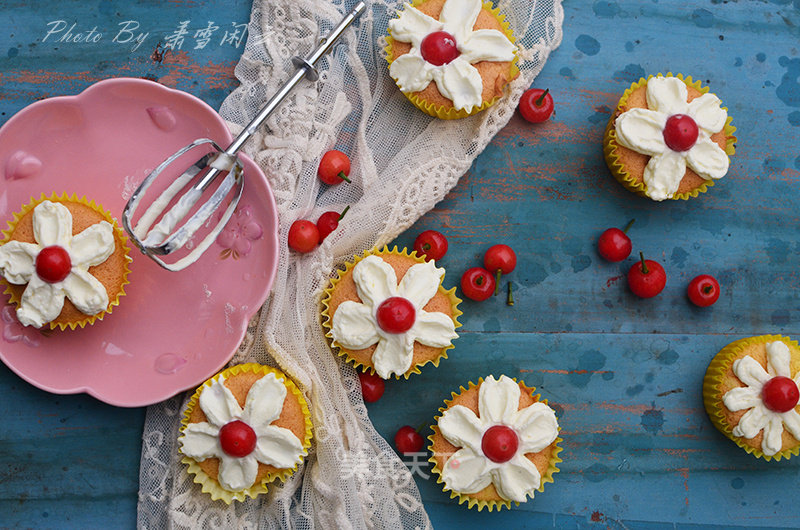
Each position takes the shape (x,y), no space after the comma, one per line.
(403,163)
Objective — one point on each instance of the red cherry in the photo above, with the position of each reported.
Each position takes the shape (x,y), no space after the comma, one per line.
(703,291)
(334,167)
(303,236)
(646,278)
(328,222)
(53,264)
(439,48)
(396,315)
(614,244)
(430,244)
(408,440)
(372,386)
(780,394)
(499,259)
(237,438)
(477,283)
(536,105)
(680,132)
(499,443)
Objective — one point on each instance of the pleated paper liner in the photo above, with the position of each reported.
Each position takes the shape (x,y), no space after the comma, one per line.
(327,318)
(209,484)
(713,391)
(612,155)
(121,240)
(498,502)
(449,112)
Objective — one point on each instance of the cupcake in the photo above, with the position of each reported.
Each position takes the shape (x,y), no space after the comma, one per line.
(751,394)
(495,443)
(451,58)
(64,262)
(388,313)
(669,138)
(244,428)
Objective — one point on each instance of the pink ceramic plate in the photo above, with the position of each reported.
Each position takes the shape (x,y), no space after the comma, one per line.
(173,329)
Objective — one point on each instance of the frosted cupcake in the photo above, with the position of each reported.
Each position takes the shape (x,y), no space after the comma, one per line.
(244,428)
(751,394)
(495,443)
(451,58)
(64,262)
(669,138)
(388,313)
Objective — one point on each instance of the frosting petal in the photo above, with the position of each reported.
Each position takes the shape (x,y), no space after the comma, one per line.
(200,441)
(466,471)
(264,402)
(278,447)
(420,283)
(667,95)
(411,72)
(236,474)
(663,173)
(750,372)
(498,400)
(741,398)
(375,280)
(92,246)
(393,354)
(487,45)
(17,261)
(461,427)
(773,436)
(413,25)
(791,421)
(461,83)
(219,404)
(354,326)
(434,329)
(708,113)
(41,302)
(459,17)
(707,159)
(752,422)
(642,130)
(778,359)
(85,291)
(516,479)
(52,224)
(536,426)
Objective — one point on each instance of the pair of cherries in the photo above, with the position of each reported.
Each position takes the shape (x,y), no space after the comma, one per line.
(479,283)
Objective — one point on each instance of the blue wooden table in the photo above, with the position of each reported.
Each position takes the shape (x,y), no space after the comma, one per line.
(623,374)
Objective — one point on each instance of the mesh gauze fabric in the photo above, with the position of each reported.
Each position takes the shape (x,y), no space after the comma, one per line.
(403,163)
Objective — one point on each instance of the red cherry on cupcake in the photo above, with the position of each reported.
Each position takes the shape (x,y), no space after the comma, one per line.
(477,284)
(372,386)
(646,278)
(328,222)
(53,264)
(396,315)
(303,236)
(439,48)
(680,132)
(499,443)
(499,259)
(703,290)
(614,244)
(430,244)
(237,438)
(334,167)
(780,394)
(536,105)
(408,440)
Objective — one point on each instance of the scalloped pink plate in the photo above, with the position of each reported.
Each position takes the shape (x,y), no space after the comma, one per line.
(172,330)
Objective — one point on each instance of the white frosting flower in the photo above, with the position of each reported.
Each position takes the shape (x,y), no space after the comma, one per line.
(275,445)
(456,80)
(42,301)
(469,470)
(642,130)
(758,417)
(355,325)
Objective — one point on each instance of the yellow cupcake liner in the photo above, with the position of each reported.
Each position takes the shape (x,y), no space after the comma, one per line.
(211,485)
(491,505)
(327,320)
(451,113)
(712,391)
(612,156)
(119,237)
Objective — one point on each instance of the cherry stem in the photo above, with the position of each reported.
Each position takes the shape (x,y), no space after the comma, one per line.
(708,289)
(628,226)
(510,297)
(341,215)
(645,270)
(421,426)
(343,176)
(540,100)
(497,276)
